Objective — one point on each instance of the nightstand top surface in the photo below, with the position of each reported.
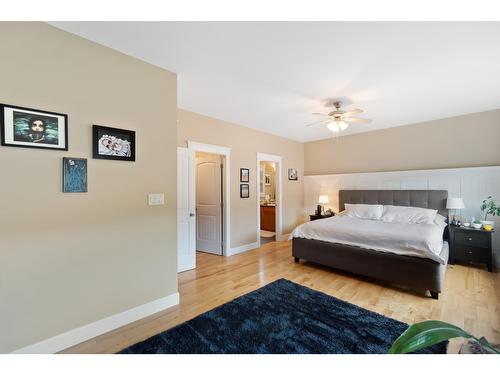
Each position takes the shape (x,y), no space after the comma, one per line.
(470,229)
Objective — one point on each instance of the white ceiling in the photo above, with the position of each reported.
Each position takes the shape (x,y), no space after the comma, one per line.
(271,76)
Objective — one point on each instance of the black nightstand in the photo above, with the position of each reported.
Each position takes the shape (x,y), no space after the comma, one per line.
(471,245)
(317,217)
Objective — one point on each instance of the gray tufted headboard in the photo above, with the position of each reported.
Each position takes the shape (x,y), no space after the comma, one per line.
(434,199)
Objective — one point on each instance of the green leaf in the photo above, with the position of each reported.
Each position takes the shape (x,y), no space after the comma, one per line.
(424,334)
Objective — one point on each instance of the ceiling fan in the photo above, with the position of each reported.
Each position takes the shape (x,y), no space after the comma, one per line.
(339,120)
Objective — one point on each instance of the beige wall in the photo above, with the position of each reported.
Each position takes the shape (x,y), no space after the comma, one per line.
(464,141)
(245,143)
(70,259)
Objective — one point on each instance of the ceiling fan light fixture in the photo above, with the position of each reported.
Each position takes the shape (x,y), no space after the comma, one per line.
(333,126)
(339,120)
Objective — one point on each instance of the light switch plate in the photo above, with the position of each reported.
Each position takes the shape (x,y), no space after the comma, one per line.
(156,199)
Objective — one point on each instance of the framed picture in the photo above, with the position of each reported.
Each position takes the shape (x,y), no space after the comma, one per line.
(74,175)
(33,128)
(292,174)
(113,144)
(244,191)
(267,179)
(244,175)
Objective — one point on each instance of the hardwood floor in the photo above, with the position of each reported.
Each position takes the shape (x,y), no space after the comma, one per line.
(471,298)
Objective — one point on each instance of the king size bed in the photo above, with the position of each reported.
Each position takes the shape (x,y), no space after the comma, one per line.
(414,255)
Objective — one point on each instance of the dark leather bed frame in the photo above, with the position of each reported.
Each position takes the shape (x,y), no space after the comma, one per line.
(418,273)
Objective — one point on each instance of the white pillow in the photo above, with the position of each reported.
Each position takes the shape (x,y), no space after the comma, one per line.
(408,215)
(364,211)
(440,221)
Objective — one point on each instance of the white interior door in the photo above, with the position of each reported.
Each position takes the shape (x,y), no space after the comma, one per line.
(209,204)
(186,231)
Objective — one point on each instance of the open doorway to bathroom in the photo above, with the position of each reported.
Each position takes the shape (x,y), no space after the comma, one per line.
(267,201)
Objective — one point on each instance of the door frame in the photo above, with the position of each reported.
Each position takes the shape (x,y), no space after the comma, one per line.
(193,147)
(278,160)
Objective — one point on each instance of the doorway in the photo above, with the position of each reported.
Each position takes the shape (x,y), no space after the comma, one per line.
(267,201)
(269,205)
(209,202)
(187,203)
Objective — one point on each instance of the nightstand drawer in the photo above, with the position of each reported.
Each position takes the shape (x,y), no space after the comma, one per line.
(472,254)
(472,239)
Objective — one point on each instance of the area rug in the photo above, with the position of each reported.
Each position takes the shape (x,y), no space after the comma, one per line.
(281,317)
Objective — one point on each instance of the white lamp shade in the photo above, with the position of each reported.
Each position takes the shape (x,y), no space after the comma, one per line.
(333,126)
(323,199)
(343,125)
(455,203)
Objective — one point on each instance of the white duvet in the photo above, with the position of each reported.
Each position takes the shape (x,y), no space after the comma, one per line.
(419,240)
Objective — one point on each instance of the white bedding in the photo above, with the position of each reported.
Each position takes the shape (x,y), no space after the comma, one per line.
(419,240)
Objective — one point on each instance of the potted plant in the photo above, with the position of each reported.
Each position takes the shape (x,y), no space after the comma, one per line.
(424,334)
(489,207)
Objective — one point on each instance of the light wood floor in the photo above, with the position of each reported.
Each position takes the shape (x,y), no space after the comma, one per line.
(471,298)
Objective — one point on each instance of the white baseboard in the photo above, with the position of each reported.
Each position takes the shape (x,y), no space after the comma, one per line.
(86,332)
(242,249)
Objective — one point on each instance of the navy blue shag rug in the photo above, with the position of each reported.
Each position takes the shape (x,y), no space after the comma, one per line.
(281,317)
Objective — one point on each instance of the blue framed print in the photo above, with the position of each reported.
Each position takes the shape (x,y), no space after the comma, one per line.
(74,175)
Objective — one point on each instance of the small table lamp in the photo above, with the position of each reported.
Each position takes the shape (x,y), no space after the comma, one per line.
(454,204)
(323,199)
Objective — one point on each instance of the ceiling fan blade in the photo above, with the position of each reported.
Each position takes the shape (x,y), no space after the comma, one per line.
(319,122)
(358,120)
(319,114)
(352,112)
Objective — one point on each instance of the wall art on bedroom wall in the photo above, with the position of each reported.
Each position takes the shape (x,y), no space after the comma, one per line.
(33,128)
(267,179)
(112,143)
(292,174)
(74,175)
(244,191)
(244,175)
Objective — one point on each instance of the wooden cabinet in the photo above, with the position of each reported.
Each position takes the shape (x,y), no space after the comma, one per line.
(471,245)
(268,218)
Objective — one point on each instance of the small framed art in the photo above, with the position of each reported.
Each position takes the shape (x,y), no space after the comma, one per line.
(244,175)
(112,143)
(74,175)
(244,190)
(292,174)
(267,179)
(33,128)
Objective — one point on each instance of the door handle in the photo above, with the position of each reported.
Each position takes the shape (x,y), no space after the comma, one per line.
(191,214)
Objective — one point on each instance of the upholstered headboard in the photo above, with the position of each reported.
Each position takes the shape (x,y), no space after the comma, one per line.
(434,199)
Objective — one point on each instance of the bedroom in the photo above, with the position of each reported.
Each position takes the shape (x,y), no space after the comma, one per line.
(392,145)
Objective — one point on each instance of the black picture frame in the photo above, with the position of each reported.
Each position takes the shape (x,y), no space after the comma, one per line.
(126,137)
(293,175)
(74,181)
(244,175)
(8,137)
(267,180)
(244,190)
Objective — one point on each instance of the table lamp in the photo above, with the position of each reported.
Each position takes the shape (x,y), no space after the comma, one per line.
(323,199)
(454,204)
